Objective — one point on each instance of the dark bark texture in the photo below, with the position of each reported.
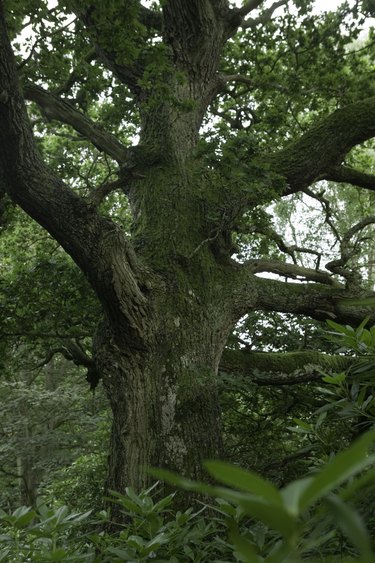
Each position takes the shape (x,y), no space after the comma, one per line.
(172,294)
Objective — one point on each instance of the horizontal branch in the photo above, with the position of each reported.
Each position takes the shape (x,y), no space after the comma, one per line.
(291,271)
(281,368)
(150,18)
(54,107)
(225,78)
(315,300)
(347,175)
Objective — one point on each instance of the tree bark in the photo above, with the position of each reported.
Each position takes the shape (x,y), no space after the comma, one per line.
(163,391)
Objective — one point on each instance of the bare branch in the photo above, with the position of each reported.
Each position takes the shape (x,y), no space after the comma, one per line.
(348,250)
(281,244)
(358,227)
(57,108)
(326,205)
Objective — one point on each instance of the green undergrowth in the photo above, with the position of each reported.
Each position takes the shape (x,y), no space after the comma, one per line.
(248,520)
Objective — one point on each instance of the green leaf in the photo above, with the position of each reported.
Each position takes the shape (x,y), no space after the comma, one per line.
(302,424)
(351,524)
(360,328)
(335,379)
(341,329)
(292,494)
(346,464)
(244,547)
(244,480)
(274,515)
(352,488)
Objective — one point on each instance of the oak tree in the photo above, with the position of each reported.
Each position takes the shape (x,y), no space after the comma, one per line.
(193,116)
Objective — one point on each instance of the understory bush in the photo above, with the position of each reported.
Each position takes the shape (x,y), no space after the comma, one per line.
(324,516)
(312,519)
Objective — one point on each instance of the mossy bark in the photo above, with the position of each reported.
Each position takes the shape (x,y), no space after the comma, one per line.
(282,368)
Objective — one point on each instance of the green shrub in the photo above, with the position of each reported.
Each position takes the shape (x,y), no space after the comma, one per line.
(300,520)
(309,519)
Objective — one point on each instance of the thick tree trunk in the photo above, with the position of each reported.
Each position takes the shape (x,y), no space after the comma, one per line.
(163,393)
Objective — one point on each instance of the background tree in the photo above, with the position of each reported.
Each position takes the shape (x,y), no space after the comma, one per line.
(170,280)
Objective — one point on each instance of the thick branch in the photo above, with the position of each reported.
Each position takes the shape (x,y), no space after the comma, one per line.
(72,351)
(56,108)
(236,17)
(316,300)
(281,368)
(150,18)
(95,243)
(96,196)
(350,176)
(325,145)
(312,300)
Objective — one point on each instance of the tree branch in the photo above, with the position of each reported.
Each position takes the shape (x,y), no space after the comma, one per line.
(281,244)
(150,18)
(95,243)
(324,146)
(264,16)
(248,7)
(128,74)
(54,107)
(97,195)
(312,300)
(281,368)
(291,271)
(315,300)
(225,78)
(348,175)
(347,251)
